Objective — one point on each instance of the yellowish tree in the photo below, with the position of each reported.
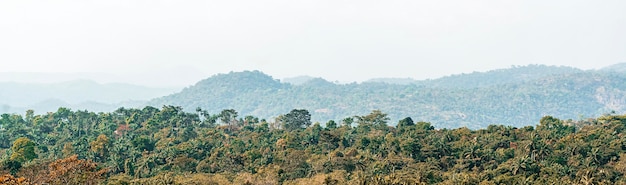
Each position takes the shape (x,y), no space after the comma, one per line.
(23,150)
(100,145)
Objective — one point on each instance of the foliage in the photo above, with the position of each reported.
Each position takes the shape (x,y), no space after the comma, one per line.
(170,146)
(72,170)
(296,119)
(10,180)
(23,150)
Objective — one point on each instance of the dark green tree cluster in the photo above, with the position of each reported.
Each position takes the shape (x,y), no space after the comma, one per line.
(170,146)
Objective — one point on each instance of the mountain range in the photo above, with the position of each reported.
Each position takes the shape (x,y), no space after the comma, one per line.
(18,97)
(516,96)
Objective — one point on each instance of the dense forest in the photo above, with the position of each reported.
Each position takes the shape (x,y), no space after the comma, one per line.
(517,96)
(171,146)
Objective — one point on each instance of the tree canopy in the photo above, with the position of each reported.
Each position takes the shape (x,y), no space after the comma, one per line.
(296,119)
(168,145)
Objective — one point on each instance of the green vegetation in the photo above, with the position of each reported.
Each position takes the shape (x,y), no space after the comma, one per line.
(23,150)
(517,96)
(170,146)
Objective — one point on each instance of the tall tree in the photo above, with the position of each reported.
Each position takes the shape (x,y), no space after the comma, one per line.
(228,116)
(406,122)
(101,146)
(296,119)
(376,117)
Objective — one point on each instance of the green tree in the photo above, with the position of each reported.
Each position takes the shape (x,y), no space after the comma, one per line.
(331,124)
(296,119)
(406,122)
(348,121)
(424,125)
(228,116)
(376,118)
(101,146)
(23,150)
(143,143)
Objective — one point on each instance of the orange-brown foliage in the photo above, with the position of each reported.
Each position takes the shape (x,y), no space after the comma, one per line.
(71,170)
(10,180)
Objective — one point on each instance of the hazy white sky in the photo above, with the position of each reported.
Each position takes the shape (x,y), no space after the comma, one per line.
(344,40)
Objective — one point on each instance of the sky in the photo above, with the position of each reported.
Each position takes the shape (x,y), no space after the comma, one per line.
(158,42)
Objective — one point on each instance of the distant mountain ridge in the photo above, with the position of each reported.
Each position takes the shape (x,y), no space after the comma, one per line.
(516,96)
(616,68)
(298,80)
(77,94)
(515,74)
(399,81)
(174,77)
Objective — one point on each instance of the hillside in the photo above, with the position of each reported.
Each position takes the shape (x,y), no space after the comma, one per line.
(517,96)
(615,68)
(515,74)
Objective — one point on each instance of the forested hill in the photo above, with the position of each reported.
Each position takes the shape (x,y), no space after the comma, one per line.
(515,74)
(616,68)
(516,96)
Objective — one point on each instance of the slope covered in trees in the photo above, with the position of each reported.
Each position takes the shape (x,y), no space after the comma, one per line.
(517,96)
(170,146)
(513,75)
(615,68)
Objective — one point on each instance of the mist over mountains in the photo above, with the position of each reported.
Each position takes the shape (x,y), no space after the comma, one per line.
(173,77)
(78,94)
